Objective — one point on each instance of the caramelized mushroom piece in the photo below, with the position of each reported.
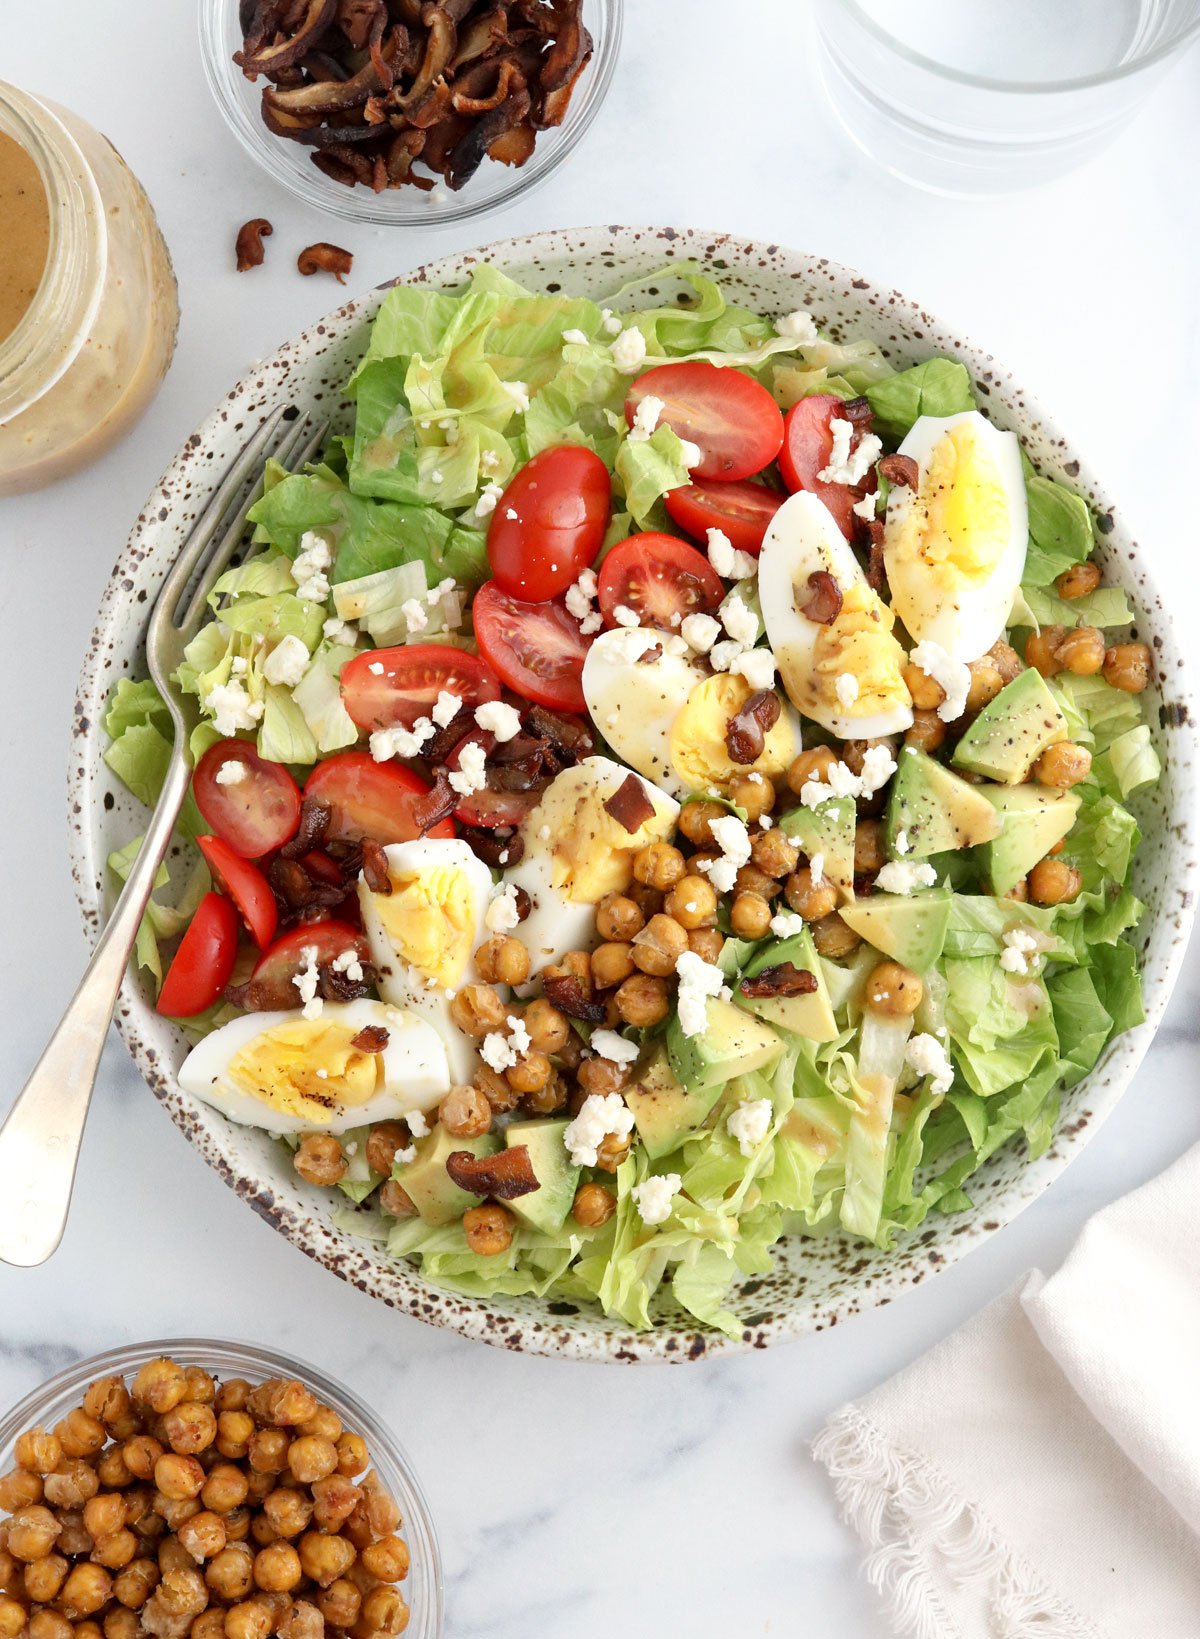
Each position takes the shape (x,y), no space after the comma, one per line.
(325,258)
(250,250)
(372,1038)
(566,992)
(745,735)
(503,1176)
(375,867)
(824,601)
(785,979)
(285,53)
(900,469)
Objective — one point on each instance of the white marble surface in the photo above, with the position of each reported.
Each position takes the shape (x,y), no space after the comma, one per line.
(647,1501)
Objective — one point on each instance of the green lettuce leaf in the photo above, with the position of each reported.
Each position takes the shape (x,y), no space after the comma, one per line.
(1060,531)
(939,387)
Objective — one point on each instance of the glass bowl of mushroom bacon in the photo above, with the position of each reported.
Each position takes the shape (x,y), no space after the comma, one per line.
(409,110)
(198,1490)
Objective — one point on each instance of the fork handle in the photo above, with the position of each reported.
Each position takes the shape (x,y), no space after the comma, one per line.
(41,1135)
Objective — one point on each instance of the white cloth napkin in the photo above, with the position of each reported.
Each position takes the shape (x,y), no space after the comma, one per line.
(1037,1474)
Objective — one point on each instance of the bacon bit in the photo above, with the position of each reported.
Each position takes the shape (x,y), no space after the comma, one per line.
(858,411)
(372,1038)
(338,987)
(314,822)
(375,867)
(570,736)
(502,1177)
(523,904)
(493,849)
(824,598)
(901,470)
(629,805)
(873,530)
(299,892)
(250,250)
(437,804)
(449,738)
(566,992)
(745,734)
(785,979)
(326,258)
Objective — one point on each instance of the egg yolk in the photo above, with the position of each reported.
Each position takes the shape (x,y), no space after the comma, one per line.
(699,754)
(958,523)
(281,1068)
(591,852)
(429,918)
(860,642)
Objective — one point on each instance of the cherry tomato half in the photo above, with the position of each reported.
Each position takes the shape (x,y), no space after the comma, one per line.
(660,579)
(246,886)
(370,799)
(271,982)
(741,510)
(549,524)
(201,967)
(734,421)
(411,678)
(807,447)
(536,648)
(254,813)
(486,809)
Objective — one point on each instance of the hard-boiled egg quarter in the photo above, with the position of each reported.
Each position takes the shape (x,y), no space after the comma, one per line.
(290,1074)
(954,547)
(847,673)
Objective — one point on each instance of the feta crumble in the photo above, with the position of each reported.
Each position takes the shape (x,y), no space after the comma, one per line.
(601,1115)
(629,351)
(231,708)
(847,466)
(502,915)
(698,980)
(757,666)
(306,982)
(846,689)
(799,327)
(446,708)
(309,566)
(500,1052)
(609,1045)
(471,774)
(784,924)
(926,1055)
(841,781)
(1020,950)
(740,621)
(491,493)
(376,668)
(347,962)
(231,772)
(699,632)
(690,454)
(733,839)
(645,418)
(609,322)
(750,1123)
(287,662)
(865,508)
(901,844)
(878,767)
(903,875)
(726,559)
(581,602)
(387,743)
(952,676)
(518,392)
(575,338)
(416,1123)
(498,718)
(339,631)
(653,1198)
(625,616)
(816,870)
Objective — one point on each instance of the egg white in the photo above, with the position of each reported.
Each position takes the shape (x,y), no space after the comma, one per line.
(634,703)
(412,1070)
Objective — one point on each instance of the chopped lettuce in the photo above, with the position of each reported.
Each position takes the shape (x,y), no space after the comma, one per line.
(1060,530)
(939,386)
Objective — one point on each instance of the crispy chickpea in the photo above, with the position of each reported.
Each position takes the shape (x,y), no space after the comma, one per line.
(250,1619)
(339,1603)
(233,1394)
(395,1200)
(268,1450)
(288,1509)
(774,854)
(833,938)
(1019,891)
(926,732)
(695,821)
(73,1538)
(811,902)
(335,1499)
(50,1624)
(477,1010)
(663,940)
(32,1533)
(277,1568)
(986,683)
(489,1229)
(384,1611)
(1063,765)
(283,1401)
(1079,581)
(611,963)
(103,1514)
(12,1618)
(180,1595)
(465,1113)
(203,1535)
(870,854)
(226,1486)
(113,1471)
(1082,651)
(1127,667)
(71,1484)
(38,1451)
(174,1510)
(809,765)
(1041,650)
(173,1556)
(593,1205)
(302,1621)
(612,1151)
(118,1624)
(312,1457)
(502,960)
(160,1384)
(44,1578)
(352,1454)
(380,1507)
(1006,660)
(546,1100)
(388,1559)
(210,1624)
(692,903)
(648,900)
(854,752)
(237,1524)
(927,694)
(116,1550)
(658,865)
(707,943)
(87,1589)
(755,793)
(750,916)
(530,1073)
(325,1558)
(200,1386)
(80,1435)
(191,1427)
(234,1428)
(136,1583)
(618,918)
(893,991)
(600,1075)
(20,1489)
(750,879)
(141,1453)
(643,1000)
(177,1476)
(323,1421)
(230,1574)
(382,1143)
(319,1159)
(548,1029)
(1054,882)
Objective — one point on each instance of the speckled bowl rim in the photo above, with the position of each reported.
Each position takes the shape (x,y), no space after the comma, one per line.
(580,1333)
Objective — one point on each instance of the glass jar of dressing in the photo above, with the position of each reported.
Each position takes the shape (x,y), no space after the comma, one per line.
(88,305)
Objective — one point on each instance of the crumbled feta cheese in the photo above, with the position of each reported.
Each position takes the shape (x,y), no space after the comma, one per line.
(765,821)
(231,708)
(740,621)
(629,351)
(405,1156)
(625,616)
(486,503)
(750,1123)
(575,338)
(489,461)
(865,508)
(690,454)
(347,962)
(401,742)
(287,662)
(878,767)
(511,513)
(306,982)
(757,666)
(698,980)
(1020,948)
(840,781)
(903,875)
(436,476)
(442,590)
(799,327)
(500,1052)
(518,392)
(733,839)
(846,689)
(952,676)
(786,923)
(339,631)
(609,1045)
(239,666)
(901,844)
(610,322)
(415,618)
(231,772)
(699,632)
(726,559)
(502,915)
(446,708)
(416,1123)
(376,668)
(816,870)
(498,718)
(926,1055)
(601,1115)
(631,643)
(645,418)
(471,774)
(653,1198)
(847,466)
(309,566)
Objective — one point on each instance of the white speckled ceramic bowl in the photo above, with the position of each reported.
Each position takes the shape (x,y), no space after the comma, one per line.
(813,1283)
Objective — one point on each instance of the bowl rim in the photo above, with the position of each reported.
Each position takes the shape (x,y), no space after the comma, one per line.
(475,1318)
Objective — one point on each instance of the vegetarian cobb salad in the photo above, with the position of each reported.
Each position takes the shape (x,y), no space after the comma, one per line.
(661,786)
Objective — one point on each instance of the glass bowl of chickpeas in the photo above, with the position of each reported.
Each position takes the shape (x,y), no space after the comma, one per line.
(193,1489)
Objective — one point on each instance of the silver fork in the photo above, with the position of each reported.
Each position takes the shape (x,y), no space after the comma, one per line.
(41,1135)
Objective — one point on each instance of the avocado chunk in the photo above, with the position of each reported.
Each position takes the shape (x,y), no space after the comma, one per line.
(732,1043)
(1012,731)
(1034,819)
(910,928)
(810,1016)
(546,1207)
(828,831)
(664,1111)
(935,809)
(427,1183)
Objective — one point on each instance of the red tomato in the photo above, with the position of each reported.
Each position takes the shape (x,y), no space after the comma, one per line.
(549,524)
(807,447)
(412,678)
(370,799)
(741,510)
(271,982)
(536,648)
(733,420)
(659,578)
(246,886)
(258,813)
(201,967)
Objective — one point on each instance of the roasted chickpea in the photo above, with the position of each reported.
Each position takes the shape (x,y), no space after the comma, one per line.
(870,852)
(38,1451)
(926,732)
(112,1470)
(210,1624)
(1079,581)
(612,1151)
(388,1559)
(658,865)
(319,1160)
(177,1476)
(44,1578)
(160,1384)
(643,1000)
(203,1535)
(233,1394)
(250,1619)
(384,1611)
(502,960)
(986,683)
(809,765)
(1019,891)
(191,1427)
(812,902)
(465,1113)
(201,1387)
(261,1483)
(325,1558)
(893,991)
(234,1428)
(774,854)
(87,1589)
(854,752)
(49,1624)
(833,938)
(692,903)
(230,1574)
(288,1509)
(32,1533)
(141,1453)
(530,1073)
(324,1421)
(1054,882)
(12,1618)
(395,1200)
(706,943)
(600,1075)
(312,1457)
(282,1401)
(116,1550)
(173,1556)
(226,1486)
(1063,765)
(663,940)
(1041,650)
(1006,660)
(104,1514)
(547,1099)
(268,1450)
(352,1454)
(277,1568)
(477,1010)
(695,821)
(74,1538)
(302,1621)
(489,1230)
(649,901)
(335,1499)
(134,1585)
(755,793)
(750,879)
(20,1489)
(593,1205)
(339,1603)
(174,1510)
(71,1484)
(618,918)
(750,916)
(1127,667)
(926,693)
(382,1143)
(1082,651)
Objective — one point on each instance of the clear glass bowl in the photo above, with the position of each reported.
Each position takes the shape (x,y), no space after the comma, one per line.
(491,187)
(53,1400)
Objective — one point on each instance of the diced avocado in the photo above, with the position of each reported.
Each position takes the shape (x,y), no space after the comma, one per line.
(732,1043)
(664,1111)
(810,1016)
(545,1208)
(910,928)
(935,809)
(1012,731)
(427,1183)
(1034,819)
(828,831)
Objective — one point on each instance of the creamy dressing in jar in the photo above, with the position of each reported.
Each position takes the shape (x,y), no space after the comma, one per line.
(25,212)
